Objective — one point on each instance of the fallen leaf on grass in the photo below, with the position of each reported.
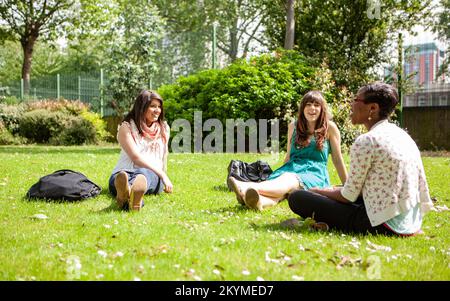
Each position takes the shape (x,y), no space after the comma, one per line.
(373,247)
(296,264)
(39,216)
(341,261)
(117,254)
(354,243)
(281,259)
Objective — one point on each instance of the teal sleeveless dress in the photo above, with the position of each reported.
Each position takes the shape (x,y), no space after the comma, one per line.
(307,163)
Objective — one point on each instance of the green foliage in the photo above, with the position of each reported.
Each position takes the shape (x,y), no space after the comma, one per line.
(59,122)
(132,52)
(78,131)
(442,28)
(10,116)
(40,125)
(72,107)
(26,21)
(9,100)
(348,34)
(98,123)
(266,87)
(10,62)
(5,136)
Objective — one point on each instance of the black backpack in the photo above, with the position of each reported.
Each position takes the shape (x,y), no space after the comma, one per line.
(248,172)
(64,184)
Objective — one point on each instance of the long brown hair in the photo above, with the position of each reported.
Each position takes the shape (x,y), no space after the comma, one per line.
(321,127)
(141,104)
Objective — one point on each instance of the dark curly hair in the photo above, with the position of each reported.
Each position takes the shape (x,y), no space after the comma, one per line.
(384,95)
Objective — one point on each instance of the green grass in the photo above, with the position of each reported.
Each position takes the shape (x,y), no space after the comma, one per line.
(198,232)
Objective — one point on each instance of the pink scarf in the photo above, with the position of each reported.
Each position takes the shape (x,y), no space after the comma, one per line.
(153,132)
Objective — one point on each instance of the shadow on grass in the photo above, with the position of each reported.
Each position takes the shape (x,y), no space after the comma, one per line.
(238,208)
(222,188)
(111,208)
(45,149)
(280,227)
(52,201)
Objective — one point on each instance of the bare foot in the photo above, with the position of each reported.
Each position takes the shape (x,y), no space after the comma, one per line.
(239,195)
(122,188)
(252,199)
(138,190)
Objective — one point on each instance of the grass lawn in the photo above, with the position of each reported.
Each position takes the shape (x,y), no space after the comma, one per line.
(199,232)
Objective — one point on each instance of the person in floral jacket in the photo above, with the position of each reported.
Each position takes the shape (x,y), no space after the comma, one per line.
(386,190)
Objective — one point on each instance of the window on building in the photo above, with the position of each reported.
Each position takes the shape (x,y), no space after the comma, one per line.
(422,101)
(443,100)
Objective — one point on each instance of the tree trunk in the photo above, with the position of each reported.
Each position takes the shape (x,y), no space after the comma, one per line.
(27,46)
(234,44)
(290,25)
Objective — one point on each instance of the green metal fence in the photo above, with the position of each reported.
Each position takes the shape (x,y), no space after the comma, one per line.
(84,87)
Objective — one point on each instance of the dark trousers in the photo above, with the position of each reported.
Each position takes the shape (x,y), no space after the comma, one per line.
(350,217)
(154,183)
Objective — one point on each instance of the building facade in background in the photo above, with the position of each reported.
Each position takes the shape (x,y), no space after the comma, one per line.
(421,65)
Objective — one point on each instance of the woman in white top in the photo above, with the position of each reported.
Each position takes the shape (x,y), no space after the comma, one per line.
(143,136)
(386,190)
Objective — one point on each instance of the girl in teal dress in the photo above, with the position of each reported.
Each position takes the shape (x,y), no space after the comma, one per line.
(312,137)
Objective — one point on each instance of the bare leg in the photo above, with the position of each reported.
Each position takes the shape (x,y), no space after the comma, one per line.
(267,202)
(276,189)
(258,202)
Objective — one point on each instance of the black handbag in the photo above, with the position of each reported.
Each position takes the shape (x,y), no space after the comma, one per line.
(64,184)
(248,172)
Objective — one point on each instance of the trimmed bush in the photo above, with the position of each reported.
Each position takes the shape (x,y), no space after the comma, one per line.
(73,107)
(99,125)
(40,125)
(5,136)
(79,131)
(10,116)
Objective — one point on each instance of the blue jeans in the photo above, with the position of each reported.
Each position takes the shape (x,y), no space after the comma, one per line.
(154,183)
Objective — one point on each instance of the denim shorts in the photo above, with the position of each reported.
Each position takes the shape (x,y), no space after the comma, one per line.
(154,183)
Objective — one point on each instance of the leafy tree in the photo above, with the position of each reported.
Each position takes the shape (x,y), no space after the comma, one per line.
(132,51)
(27,20)
(10,65)
(185,47)
(240,23)
(442,27)
(351,35)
